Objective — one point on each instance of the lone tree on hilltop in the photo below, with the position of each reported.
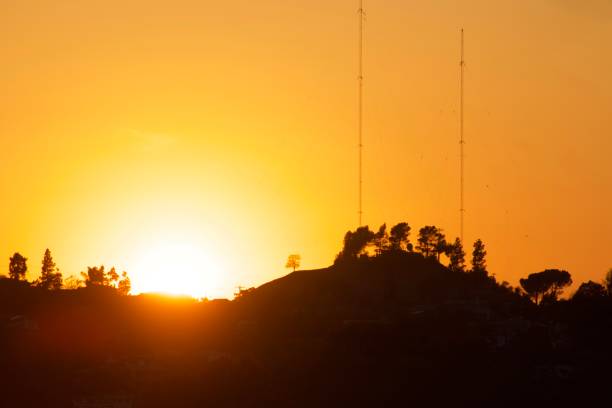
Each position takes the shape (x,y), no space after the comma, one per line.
(431,242)
(399,237)
(479,262)
(18,267)
(293,261)
(50,277)
(456,254)
(548,284)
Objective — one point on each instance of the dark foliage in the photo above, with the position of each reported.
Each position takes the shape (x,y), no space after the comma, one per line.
(456,256)
(50,277)
(590,291)
(431,241)
(399,239)
(355,243)
(479,263)
(97,276)
(546,285)
(18,267)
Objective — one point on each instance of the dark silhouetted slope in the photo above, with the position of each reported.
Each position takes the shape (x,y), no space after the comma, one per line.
(369,288)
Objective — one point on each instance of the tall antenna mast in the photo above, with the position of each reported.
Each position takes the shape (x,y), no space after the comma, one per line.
(461,141)
(361,13)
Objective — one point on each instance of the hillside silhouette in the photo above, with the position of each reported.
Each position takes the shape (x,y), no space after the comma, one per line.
(388,324)
(370,288)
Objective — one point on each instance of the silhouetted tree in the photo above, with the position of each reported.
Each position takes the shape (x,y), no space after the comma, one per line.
(608,282)
(125,284)
(441,245)
(355,243)
(399,237)
(479,262)
(95,276)
(293,262)
(548,284)
(535,286)
(50,277)
(18,267)
(381,240)
(560,280)
(590,291)
(457,256)
(431,241)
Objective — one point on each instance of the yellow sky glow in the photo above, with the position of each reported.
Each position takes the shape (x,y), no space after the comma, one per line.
(230,128)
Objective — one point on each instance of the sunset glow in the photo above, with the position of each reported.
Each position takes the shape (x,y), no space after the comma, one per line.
(121,122)
(176,269)
(305,203)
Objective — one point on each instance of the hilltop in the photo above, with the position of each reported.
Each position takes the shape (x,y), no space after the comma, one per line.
(384,286)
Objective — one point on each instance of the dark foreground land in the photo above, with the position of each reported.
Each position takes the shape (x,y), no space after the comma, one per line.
(395,330)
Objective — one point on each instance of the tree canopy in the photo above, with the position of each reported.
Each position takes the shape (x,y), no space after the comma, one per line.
(548,284)
(96,276)
(381,240)
(399,237)
(590,291)
(124,286)
(456,255)
(363,241)
(293,261)
(18,267)
(431,241)
(355,243)
(50,277)
(479,263)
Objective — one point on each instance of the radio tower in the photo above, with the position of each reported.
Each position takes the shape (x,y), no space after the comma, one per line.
(361,13)
(461,142)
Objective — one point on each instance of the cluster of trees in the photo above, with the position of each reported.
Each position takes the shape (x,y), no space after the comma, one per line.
(431,243)
(594,290)
(542,288)
(51,278)
(96,276)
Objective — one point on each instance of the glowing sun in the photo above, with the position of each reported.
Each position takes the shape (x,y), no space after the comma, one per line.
(175,269)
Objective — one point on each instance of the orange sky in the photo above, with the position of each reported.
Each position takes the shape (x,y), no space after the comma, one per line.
(230,126)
